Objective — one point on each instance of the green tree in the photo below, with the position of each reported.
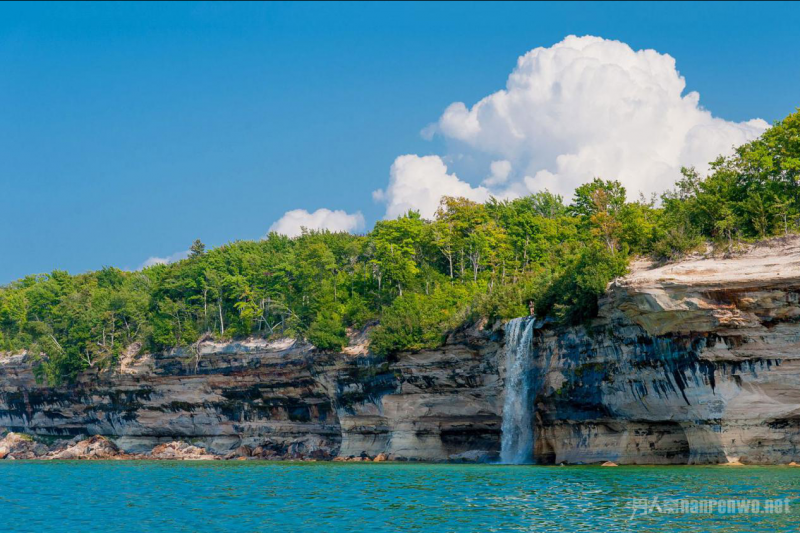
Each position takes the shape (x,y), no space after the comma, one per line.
(327,332)
(197,248)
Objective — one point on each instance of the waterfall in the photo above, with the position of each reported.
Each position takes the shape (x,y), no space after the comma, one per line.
(517,440)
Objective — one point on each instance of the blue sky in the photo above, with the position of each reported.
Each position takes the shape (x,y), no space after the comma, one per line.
(128,130)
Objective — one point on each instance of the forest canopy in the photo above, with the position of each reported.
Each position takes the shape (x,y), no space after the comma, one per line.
(416,278)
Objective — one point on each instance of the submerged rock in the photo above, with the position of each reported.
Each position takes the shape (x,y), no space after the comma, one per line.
(474,456)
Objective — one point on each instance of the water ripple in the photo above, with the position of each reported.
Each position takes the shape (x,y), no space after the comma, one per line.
(330,497)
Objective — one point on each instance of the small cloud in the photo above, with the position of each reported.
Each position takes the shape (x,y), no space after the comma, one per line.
(500,171)
(429,131)
(292,223)
(177,256)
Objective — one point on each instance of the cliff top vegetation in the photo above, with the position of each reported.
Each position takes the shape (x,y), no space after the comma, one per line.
(419,278)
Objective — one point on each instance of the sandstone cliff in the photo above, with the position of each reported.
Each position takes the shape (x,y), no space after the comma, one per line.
(273,400)
(694,362)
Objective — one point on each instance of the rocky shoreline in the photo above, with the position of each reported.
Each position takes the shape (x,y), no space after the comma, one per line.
(17,446)
(21,446)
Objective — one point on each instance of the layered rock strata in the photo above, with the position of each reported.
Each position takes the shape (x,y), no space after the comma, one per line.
(693,362)
(274,400)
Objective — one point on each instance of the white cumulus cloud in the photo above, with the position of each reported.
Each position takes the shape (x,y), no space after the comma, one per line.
(500,171)
(177,256)
(585,107)
(293,222)
(419,183)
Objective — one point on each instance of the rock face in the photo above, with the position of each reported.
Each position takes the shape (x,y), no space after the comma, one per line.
(695,362)
(279,400)
(431,405)
(221,397)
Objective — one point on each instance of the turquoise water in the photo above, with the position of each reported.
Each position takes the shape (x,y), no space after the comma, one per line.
(330,497)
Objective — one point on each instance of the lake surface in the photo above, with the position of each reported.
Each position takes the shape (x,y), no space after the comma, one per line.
(331,497)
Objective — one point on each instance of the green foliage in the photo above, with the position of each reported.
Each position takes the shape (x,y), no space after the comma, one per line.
(750,195)
(420,279)
(572,296)
(511,300)
(197,248)
(327,332)
(417,321)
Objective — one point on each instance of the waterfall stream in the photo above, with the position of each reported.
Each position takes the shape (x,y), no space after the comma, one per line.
(517,440)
